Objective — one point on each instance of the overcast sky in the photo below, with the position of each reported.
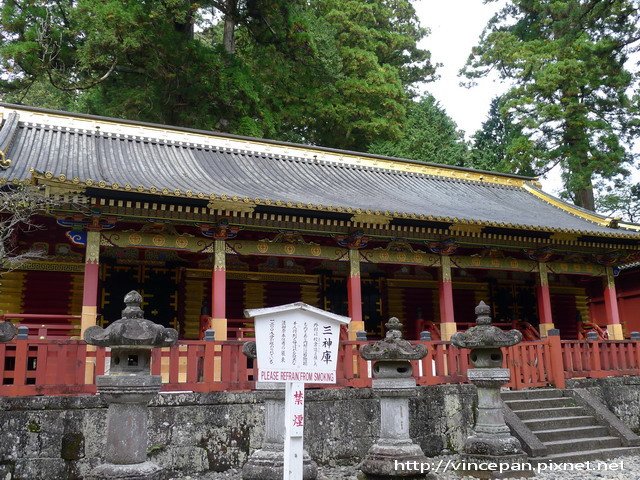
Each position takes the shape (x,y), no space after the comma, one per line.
(455,28)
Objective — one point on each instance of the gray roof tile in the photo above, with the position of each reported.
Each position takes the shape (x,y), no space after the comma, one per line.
(116,158)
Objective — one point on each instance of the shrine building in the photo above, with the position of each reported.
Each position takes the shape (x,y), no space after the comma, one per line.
(205,225)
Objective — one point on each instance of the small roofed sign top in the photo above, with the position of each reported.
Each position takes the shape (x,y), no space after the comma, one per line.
(297,343)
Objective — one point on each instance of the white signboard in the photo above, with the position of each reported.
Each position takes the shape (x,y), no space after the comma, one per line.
(296,344)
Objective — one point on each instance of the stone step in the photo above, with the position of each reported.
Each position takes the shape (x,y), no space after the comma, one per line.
(532,393)
(577,445)
(572,432)
(540,403)
(549,412)
(590,456)
(537,424)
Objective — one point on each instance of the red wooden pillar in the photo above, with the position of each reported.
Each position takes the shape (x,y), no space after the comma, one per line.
(447,318)
(611,307)
(90,285)
(354,294)
(219,290)
(544,300)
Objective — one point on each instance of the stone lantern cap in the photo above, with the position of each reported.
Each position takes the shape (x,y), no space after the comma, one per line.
(393,347)
(485,335)
(132,330)
(7,331)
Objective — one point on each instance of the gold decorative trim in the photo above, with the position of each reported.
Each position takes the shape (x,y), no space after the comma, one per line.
(564,237)
(493,263)
(575,268)
(372,219)
(597,219)
(220,255)
(466,228)
(629,226)
(354,262)
(610,279)
(92,251)
(543,274)
(4,161)
(250,247)
(236,204)
(445,268)
(155,240)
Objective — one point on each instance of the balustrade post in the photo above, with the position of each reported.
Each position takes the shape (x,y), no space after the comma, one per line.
(23,332)
(22,349)
(595,364)
(361,336)
(557,362)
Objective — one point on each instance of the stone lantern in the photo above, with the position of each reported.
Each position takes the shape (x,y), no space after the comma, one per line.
(7,331)
(128,389)
(491,440)
(393,384)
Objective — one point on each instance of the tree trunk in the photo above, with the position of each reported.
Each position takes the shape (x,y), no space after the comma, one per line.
(584,198)
(229,35)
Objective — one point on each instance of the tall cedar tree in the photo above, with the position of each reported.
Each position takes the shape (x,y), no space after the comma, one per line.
(336,73)
(567,60)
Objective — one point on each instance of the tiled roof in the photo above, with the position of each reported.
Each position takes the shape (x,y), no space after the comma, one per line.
(176,162)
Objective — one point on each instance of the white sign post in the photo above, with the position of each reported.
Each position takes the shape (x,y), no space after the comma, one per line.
(296,344)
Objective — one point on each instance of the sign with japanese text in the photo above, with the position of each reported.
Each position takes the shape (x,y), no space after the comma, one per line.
(297,343)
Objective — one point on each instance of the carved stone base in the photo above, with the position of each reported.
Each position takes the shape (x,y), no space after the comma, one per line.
(137,471)
(268,464)
(513,466)
(386,461)
(497,445)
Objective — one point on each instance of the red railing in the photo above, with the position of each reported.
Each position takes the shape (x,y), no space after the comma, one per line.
(69,367)
(597,359)
(35,366)
(45,325)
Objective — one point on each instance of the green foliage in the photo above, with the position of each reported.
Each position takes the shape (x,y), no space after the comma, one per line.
(620,198)
(429,135)
(567,61)
(500,145)
(332,72)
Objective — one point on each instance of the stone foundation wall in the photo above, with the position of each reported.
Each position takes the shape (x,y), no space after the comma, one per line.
(63,437)
(621,395)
